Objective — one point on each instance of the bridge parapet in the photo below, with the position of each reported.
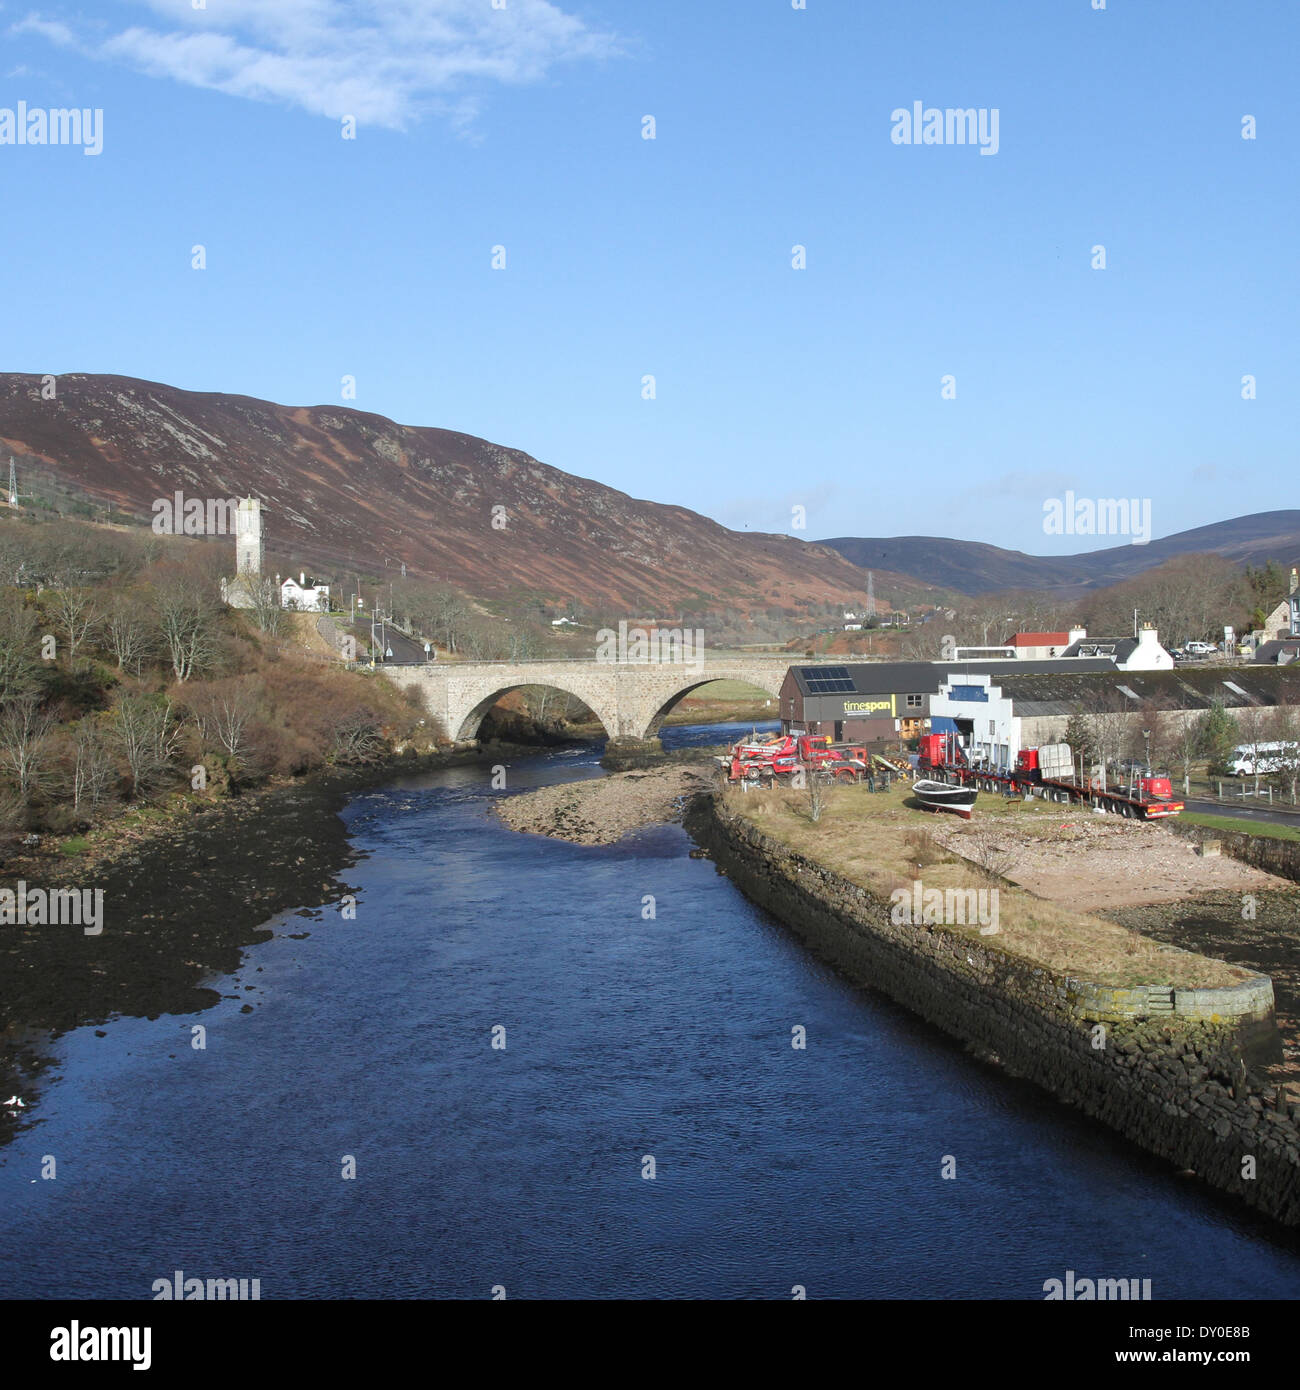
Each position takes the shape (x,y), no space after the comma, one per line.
(629,698)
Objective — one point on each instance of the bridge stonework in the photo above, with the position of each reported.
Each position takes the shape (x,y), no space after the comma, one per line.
(630,699)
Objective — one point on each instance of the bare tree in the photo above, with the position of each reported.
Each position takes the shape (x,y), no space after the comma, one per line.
(187,622)
(1184,742)
(89,772)
(147,736)
(128,633)
(24,733)
(18,656)
(1286,731)
(264,604)
(223,711)
(77,615)
(1254,724)
(357,738)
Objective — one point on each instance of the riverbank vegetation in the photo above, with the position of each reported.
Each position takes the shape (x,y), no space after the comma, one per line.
(125,681)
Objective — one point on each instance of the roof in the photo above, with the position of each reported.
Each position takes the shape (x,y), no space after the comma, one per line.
(917,677)
(1040,639)
(1119,649)
(1278,652)
(1234,687)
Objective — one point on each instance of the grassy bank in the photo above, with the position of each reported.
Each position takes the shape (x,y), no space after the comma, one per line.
(1241,825)
(881,843)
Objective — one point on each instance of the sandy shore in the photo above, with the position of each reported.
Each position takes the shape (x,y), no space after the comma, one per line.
(602,811)
(1097,862)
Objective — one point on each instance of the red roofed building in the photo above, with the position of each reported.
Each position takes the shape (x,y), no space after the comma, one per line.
(1042,646)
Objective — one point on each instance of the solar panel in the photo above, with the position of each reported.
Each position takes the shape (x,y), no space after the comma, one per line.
(828,680)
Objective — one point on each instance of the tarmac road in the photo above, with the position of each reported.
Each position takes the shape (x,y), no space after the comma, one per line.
(1276,814)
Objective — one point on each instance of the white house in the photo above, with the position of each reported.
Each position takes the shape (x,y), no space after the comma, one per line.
(301,597)
(1140,653)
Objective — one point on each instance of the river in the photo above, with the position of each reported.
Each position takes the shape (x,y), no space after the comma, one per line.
(627,1037)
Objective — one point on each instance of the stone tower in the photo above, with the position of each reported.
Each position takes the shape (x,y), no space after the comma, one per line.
(248,536)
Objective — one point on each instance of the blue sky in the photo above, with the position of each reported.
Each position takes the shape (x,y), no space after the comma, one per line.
(776,387)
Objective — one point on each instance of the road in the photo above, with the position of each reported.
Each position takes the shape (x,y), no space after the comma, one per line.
(1275,815)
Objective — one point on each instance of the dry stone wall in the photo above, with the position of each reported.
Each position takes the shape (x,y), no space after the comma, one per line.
(1182,1086)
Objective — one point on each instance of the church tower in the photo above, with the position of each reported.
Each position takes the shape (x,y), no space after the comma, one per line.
(248,536)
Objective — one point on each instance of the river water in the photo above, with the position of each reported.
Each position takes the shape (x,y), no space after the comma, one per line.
(627,1037)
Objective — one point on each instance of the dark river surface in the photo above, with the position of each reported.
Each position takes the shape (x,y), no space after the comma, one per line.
(625,1037)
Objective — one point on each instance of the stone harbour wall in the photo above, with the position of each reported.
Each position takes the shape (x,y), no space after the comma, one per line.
(1184,1086)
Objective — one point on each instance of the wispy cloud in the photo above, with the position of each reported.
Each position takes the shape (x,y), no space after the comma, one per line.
(386,62)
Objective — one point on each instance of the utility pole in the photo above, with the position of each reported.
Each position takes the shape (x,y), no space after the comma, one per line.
(13,483)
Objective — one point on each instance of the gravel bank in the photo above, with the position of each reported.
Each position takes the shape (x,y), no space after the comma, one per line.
(601,812)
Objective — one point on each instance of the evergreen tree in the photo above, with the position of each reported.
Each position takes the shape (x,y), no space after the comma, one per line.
(1217,735)
(1080,736)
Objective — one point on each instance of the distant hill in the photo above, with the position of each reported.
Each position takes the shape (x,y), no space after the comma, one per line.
(971,567)
(345,490)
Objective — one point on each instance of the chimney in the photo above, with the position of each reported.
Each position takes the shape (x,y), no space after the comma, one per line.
(302,579)
(1147,636)
(1077,634)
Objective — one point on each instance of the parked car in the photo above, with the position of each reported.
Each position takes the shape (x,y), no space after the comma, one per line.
(1200,649)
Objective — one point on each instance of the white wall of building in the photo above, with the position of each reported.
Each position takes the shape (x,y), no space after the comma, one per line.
(995,728)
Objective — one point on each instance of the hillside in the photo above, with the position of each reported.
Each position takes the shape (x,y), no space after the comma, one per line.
(344,490)
(972,567)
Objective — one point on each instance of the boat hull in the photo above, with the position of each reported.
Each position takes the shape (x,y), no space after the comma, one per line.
(939,796)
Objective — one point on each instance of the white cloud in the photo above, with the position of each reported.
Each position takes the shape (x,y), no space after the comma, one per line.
(386,62)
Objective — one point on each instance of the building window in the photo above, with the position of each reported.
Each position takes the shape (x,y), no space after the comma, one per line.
(993,726)
(915,701)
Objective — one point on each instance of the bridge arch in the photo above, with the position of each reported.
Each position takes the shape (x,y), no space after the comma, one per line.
(661,707)
(467,713)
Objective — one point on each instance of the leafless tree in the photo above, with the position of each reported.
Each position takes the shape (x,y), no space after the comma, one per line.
(129,633)
(147,736)
(18,647)
(89,772)
(1184,742)
(357,738)
(1285,729)
(264,604)
(223,711)
(1254,723)
(989,847)
(187,623)
(24,741)
(77,615)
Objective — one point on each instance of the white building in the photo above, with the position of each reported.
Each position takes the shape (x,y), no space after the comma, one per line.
(1140,653)
(975,707)
(301,597)
(1044,646)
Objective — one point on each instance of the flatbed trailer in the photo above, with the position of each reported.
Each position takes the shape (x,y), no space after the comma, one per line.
(1129,802)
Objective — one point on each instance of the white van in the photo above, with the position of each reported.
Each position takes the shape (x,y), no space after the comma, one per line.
(1250,759)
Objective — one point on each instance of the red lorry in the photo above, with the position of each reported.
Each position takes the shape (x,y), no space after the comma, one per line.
(780,757)
(1049,771)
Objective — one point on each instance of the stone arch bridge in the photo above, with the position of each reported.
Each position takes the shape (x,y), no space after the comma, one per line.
(629,698)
